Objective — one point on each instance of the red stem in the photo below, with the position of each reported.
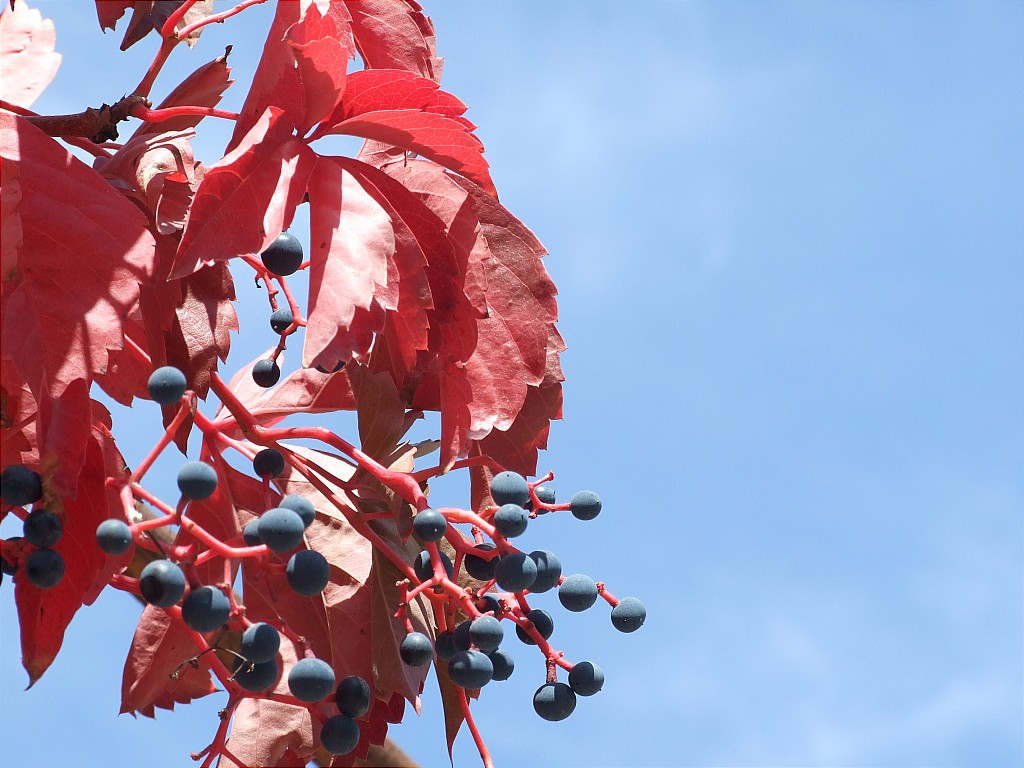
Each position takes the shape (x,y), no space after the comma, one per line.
(169,113)
(217,18)
(485,755)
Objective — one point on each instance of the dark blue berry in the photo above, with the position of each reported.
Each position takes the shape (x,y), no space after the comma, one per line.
(503,664)
(20,485)
(515,572)
(308,572)
(280,529)
(42,528)
(549,570)
(629,615)
(260,643)
(256,677)
(510,520)
(162,583)
(339,734)
(416,649)
(266,373)
(268,463)
(114,536)
(509,488)
(541,621)
(205,609)
(429,525)
(44,568)
(301,506)
(284,255)
(353,696)
(586,678)
(281,319)
(166,385)
(554,701)
(311,680)
(470,669)
(197,480)
(585,505)
(577,592)
(478,567)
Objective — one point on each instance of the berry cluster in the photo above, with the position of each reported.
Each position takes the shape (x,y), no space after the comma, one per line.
(42,529)
(471,648)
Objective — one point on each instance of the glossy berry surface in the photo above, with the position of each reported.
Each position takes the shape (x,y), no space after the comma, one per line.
(44,568)
(515,572)
(549,570)
(302,506)
(429,525)
(511,520)
(205,609)
(166,385)
(114,536)
(486,633)
(470,669)
(266,373)
(260,642)
(541,621)
(256,677)
(577,593)
(308,572)
(197,480)
(268,463)
(339,734)
(509,488)
(162,583)
(416,649)
(311,680)
(42,528)
(586,678)
(478,567)
(545,493)
(554,701)
(280,529)
(281,319)
(284,255)
(20,485)
(353,696)
(629,615)
(502,663)
(585,505)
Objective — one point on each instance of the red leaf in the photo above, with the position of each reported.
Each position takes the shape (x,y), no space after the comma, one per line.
(395,35)
(65,423)
(27,60)
(17,420)
(484,374)
(262,731)
(203,320)
(161,644)
(203,88)
(322,47)
(351,243)
(248,198)
(74,225)
(408,111)
(299,90)
(128,371)
(44,614)
(11,236)
(516,448)
(110,11)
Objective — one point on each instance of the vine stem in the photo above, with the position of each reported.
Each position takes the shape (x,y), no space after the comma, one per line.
(169,113)
(485,755)
(217,18)
(401,483)
(165,440)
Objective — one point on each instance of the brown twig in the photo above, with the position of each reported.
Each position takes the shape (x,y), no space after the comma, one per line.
(98,125)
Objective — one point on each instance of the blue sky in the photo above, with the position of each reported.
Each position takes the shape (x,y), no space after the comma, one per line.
(789,244)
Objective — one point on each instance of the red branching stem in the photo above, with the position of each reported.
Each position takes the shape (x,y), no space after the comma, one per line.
(473,461)
(485,755)
(402,483)
(218,745)
(162,54)
(454,515)
(166,438)
(608,596)
(156,522)
(75,141)
(152,500)
(216,545)
(169,113)
(217,18)
(167,30)
(136,350)
(125,583)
